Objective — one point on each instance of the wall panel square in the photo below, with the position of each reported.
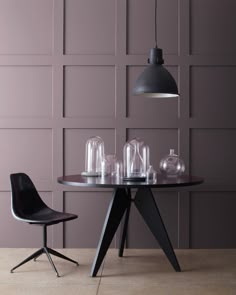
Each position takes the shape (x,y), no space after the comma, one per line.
(212,27)
(212,155)
(90,27)
(26,26)
(15,233)
(139,235)
(212,220)
(141,106)
(91,208)
(141,34)
(160,142)
(212,92)
(74,147)
(26,91)
(26,150)
(89,91)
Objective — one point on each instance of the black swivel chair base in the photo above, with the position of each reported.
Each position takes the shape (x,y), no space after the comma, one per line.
(47,251)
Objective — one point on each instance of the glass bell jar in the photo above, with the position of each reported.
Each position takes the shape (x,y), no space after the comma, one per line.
(94,153)
(136,160)
(108,165)
(171,165)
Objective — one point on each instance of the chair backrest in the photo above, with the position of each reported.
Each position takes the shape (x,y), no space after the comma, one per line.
(25,198)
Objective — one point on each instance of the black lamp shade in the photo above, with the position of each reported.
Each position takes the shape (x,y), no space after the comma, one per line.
(155,80)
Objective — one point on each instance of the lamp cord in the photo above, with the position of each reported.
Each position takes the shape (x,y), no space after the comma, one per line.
(156,23)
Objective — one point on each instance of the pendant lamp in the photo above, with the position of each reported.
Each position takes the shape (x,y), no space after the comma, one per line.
(155,80)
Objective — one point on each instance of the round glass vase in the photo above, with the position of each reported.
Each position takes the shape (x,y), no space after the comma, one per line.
(171,165)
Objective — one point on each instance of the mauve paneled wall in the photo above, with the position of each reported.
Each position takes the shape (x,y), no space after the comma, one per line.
(66,73)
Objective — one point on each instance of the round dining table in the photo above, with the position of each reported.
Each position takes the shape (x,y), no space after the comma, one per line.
(120,207)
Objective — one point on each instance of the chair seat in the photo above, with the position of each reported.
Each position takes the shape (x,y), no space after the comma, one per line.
(47,216)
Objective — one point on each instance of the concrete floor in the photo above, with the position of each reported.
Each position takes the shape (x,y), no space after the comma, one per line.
(146,272)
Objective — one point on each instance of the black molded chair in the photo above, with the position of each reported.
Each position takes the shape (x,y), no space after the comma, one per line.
(27,206)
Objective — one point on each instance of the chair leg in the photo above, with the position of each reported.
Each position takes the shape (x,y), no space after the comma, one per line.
(45,249)
(55,253)
(34,255)
(37,256)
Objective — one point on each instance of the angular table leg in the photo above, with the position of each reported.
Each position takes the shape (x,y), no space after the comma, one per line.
(146,205)
(125,226)
(116,210)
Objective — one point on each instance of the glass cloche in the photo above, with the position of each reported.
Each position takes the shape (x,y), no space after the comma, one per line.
(94,153)
(171,165)
(136,159)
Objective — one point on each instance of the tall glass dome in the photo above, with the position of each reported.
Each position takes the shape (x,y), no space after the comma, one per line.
(136,159)
(94,153)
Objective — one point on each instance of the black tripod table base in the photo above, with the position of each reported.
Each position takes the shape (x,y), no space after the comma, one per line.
(120,206)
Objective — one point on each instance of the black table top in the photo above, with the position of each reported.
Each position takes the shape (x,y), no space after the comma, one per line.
(112,182)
